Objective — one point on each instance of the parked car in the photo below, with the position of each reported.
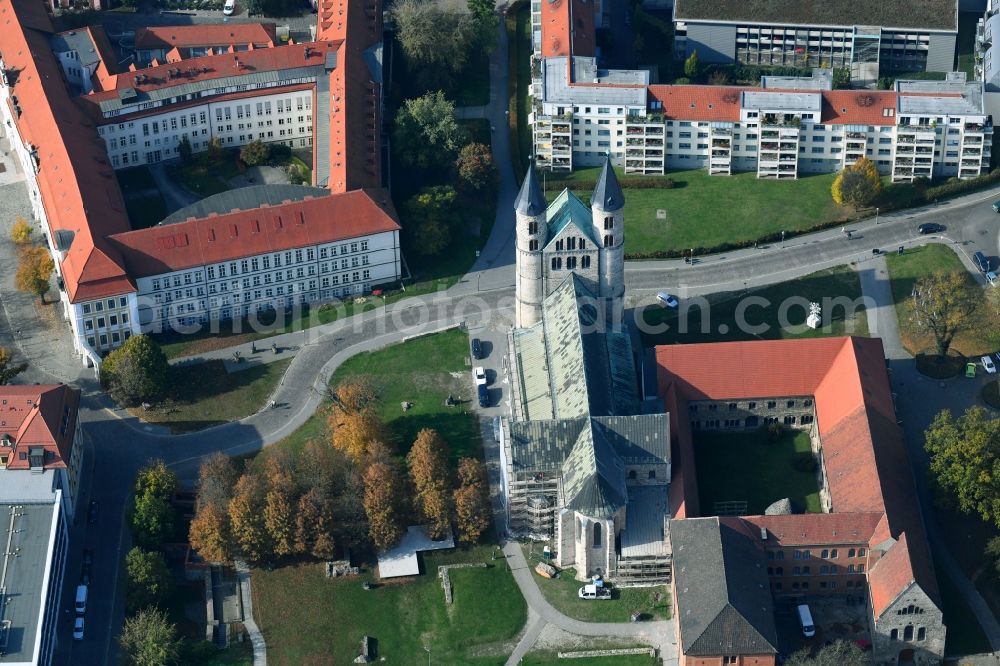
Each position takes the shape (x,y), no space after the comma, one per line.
(78,629)
(480,375)
(991,277)
(594,592)
(996,206)
(477,349)
(229,7)
(930,228)
(988,365)
(484,396)
(981,262)
(666,300)
(92,513)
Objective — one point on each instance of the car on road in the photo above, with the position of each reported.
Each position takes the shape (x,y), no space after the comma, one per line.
(480,375)
(996,206)
(484,396)
(92,513)
(229,7)
(78,629)
(988,365)
(930,228)
(666,300)
(981,261)
(477,349)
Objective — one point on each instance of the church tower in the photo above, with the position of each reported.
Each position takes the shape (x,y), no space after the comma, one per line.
(607,209)
(531,230)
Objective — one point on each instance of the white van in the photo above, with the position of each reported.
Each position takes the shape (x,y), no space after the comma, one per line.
(806,621)
(81,599)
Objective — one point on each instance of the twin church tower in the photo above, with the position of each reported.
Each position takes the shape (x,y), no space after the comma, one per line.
(566,237)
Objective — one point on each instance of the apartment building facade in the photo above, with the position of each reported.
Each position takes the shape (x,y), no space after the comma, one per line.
(840,33)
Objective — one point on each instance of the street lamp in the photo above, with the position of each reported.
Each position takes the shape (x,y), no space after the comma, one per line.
(428,651)
(876,216)
(782,237)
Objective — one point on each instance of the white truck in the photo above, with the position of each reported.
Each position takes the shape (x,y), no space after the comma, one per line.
(594,592)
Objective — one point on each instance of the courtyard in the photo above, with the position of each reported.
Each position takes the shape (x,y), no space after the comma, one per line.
(750,467)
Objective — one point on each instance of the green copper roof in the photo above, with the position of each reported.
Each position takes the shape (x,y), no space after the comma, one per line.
(568,209)
(594,477)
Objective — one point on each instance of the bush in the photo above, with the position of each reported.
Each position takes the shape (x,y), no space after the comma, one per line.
(682,81)
(804,462)
(280,152)
(255,153)
(953,186)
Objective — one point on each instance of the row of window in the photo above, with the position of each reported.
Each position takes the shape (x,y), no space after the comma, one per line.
(100,323)
(750,422)
(824,570)
(752,405)
(245,310)
(908,633)
(326,282)
(797,586)
(98,306)
(571,263)
(104,339)
(824,554)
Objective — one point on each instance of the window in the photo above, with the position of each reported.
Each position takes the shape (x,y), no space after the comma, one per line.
(908,633)
(556,263)
(850,553)
(921,633)
(631,474)
(825,554)
(585,261)
(861,552)
(532,245)
(771,404)
(597,535)
(609,222)
(894,635)
(833,554)
(652,474)
(609,241)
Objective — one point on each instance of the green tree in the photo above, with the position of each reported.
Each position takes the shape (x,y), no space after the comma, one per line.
(20,233)
(185,151)
(149,639)
(34,269)
(475,167)
(9,369)
(149,579)
(136,372)
(153,516)
(837,653)
(215,153)
(255,153)
(435,35)
(965,460)
(426,133)
(430,216)
(944,305)
(692,67)
(484,13)
(992,553)
(858,185)
(841,77)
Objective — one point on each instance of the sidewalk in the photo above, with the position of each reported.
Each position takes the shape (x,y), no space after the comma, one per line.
(256,637)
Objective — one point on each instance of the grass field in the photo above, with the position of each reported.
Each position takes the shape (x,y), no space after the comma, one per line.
(544,658)
(719,321)
(419,371)
(205,395)
(310,619)
(967,42)
(904,271)
(748,466)
(652,602)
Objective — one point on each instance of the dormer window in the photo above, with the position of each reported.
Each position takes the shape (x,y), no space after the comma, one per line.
(36,458)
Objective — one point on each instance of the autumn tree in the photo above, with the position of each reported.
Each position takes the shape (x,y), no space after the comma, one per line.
(944,305)
(837,653)
(20,233)
(217,476)
(255,153)
(472,500)
(384,502)
(149,579)
(149,639)
(430,215)
(34,269)
(315,524)
(136,372)
(351,419)
(8,368)
(426,133)
(964,460)
(210,534)
(475,167)
(354,395)
(152,515)
(857,185)
(428,464)
(279,504)
(247,521)
(692,66)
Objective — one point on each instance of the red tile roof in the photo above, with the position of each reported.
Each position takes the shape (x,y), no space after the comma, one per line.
(197,242)
(38,415)
(720,103)
(891,575)
(817,529)
(192,36)
(859,107)
(568,28)
(77,185)
(864,456)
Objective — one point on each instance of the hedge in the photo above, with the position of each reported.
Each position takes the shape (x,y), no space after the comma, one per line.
(953,186)
(632,182)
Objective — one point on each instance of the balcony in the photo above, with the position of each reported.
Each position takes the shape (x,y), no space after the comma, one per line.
(721,143)
(634,142)
(904,161)
(632,130)
(720,153)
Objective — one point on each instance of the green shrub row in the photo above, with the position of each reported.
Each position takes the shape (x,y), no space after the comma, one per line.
(632,182)
(954,186)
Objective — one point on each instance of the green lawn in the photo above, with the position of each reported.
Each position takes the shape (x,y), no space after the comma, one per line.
(310,619)
(967,42)
(200,179)
(418,371)
(747,466)
(545,658)
(717,318)
(904,271)
(652,602)
(706,211)
(205,395)
(519,62)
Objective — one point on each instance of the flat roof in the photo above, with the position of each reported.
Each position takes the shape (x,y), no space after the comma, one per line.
(926,14)
(783,101)
(402,560)
(245,198)
(25,576)
(558,88)
(645,533)
(940,97)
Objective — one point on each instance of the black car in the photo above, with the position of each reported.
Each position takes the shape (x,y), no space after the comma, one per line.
(477,349)
(484,396)
(92,515)
(930,228)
